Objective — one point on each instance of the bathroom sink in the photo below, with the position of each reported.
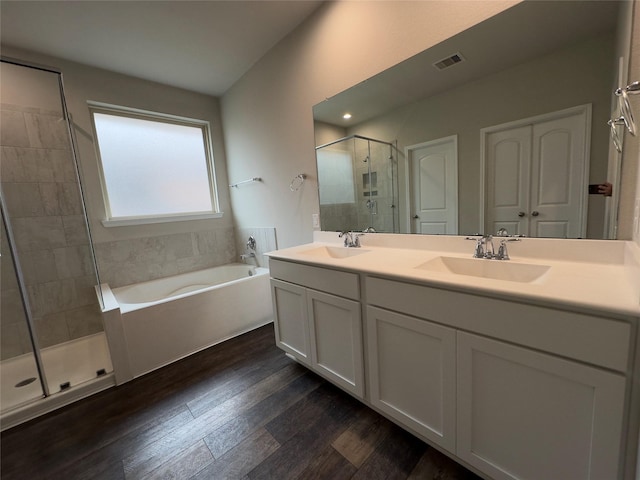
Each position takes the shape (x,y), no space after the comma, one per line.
(494,269)
(334,252)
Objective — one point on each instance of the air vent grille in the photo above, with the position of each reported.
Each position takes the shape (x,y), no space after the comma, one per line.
(449,61)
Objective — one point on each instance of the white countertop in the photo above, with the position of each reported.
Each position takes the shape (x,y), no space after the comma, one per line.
(596,276)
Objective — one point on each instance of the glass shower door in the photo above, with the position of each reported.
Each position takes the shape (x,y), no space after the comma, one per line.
(21,380)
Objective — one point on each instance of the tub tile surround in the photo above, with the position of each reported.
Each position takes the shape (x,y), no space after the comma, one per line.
(265,242)
(600,275)
(43,200)
(124,262)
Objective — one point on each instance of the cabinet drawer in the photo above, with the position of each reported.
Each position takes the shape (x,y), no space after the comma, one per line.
(596,340)
(343,284)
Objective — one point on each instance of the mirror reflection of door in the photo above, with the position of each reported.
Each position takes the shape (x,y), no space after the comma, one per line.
(434,186)
(537,174)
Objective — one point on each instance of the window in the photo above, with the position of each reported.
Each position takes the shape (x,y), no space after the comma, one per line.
(154,167)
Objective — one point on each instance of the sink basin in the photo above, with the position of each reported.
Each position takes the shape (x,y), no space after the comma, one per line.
(334,252)
(494,269)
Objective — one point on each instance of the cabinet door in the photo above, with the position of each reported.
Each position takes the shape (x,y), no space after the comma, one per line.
(528,415)
(412,373)
(336,340)
(290,319)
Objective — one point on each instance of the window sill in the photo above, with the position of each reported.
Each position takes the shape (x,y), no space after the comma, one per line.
(131,221)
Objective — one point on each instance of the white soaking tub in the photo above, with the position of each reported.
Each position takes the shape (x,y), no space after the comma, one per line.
(154,323)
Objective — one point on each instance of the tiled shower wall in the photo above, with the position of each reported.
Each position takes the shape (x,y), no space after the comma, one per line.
(43,201)
(14,334)
(381,216)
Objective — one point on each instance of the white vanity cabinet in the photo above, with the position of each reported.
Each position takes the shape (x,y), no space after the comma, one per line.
(318,320)
(543,410)
(412,373)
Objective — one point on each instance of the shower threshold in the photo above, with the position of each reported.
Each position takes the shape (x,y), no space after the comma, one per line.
(22,399)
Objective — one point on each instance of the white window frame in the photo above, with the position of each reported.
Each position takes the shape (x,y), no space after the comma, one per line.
(110,221)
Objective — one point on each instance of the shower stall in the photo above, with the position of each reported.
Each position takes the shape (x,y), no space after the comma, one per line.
(53,347)
(357,181)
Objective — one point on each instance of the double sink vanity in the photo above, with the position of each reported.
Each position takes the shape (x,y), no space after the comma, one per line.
(524,368)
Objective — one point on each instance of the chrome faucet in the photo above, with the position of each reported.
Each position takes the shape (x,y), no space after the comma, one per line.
(250,251)
(485,249)
(351,239)
(484,246)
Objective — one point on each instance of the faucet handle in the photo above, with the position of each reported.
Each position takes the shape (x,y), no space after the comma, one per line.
(503,254)
(478,251)
(348,238)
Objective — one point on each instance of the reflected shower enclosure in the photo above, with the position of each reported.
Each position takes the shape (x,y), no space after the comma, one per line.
(357,182)
(51,322)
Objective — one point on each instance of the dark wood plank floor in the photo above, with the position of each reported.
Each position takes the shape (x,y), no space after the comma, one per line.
(239,410)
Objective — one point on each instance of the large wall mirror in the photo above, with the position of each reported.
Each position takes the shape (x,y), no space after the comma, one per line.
(503,125)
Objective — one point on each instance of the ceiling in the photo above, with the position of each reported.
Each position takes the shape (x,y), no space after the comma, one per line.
(203,46)
(519,34)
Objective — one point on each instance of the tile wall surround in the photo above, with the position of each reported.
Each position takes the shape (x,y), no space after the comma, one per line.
(14,335)
(265,242)
(43,200)
(123,262)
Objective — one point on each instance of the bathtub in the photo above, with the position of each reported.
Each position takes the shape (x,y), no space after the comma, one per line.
(154,323)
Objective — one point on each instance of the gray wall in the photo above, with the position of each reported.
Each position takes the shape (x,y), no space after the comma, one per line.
(340,45)
(267,114)
(629,212)
(541,86)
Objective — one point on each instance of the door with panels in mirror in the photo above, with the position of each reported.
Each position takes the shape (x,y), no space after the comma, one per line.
(434,186)
(536,174)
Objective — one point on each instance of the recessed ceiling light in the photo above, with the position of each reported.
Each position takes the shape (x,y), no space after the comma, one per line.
(346,116)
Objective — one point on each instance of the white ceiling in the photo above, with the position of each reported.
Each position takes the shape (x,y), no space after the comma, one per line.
(204,46)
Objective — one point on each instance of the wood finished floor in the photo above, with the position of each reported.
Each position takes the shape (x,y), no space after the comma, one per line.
(239,410)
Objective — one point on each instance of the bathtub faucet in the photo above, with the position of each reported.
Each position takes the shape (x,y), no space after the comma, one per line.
(250,251)
(245,256)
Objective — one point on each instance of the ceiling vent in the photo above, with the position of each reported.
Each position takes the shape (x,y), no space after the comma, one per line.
(449,61)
